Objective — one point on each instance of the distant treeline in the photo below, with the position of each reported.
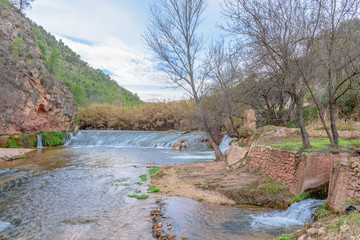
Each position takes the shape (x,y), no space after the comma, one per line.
(158,116)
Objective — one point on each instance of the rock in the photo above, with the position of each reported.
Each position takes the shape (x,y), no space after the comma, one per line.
(180,146)
(159,224)
(235,154)
(168,224)
(186,132)
(321,231)
(312,231)
(344,228)
(32,99)
(350,208)
(169,228)
(302,237)
(172,236)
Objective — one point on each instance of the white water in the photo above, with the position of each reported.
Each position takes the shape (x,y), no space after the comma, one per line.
(4,225)
(39,141)
(225,143)
(297,214)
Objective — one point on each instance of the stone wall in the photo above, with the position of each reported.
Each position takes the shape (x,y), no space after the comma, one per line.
(344,186)
(298,171)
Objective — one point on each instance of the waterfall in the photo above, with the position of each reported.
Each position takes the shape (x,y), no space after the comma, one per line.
(225,143)
(298,213)
(39,141)
(137,139)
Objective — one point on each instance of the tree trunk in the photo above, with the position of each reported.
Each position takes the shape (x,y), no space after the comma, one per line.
(304,134)
(218,153)
(234,128)
(291,108)
(333,125)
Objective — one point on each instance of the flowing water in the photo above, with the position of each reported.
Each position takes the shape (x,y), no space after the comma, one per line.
(80,191)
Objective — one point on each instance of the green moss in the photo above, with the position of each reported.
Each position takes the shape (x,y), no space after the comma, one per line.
(143,177)
(51,139)
(139,197)
(153,171)
(15,141)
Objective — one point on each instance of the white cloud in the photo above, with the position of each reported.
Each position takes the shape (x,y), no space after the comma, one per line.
(131,68)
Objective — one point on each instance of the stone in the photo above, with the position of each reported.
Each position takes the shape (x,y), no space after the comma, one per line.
(172,236)
(350,208)
(302,237)
(312,231)
(159,224)
(321,231)
(236,154)
(345,228)
(180,146)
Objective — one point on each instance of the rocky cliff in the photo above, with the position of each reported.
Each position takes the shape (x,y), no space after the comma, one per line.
(31,98)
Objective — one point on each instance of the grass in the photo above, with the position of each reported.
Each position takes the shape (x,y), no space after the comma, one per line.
(285,236)
(153,189)
(354,202)
(200,199)
(153,171)
(317,144)
(139,197)
(143,177)
(301,197)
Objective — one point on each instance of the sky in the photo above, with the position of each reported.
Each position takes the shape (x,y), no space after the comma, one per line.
(108,35)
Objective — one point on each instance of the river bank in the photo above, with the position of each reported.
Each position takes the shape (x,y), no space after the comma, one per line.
(213,182)
(8,154)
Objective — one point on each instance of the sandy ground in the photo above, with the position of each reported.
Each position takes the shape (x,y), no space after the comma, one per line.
(7,154)
(202,181)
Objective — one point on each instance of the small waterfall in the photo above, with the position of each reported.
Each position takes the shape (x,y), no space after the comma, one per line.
(298,213)
(39,141)
(225,143)
(69,136)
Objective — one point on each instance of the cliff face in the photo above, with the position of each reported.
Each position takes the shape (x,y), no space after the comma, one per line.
(31,98)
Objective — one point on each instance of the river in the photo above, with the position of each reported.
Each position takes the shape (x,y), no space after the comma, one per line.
(80,191)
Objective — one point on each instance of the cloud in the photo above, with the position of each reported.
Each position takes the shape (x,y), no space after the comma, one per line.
(131,68)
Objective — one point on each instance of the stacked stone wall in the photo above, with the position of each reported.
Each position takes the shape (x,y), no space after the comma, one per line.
(276,163)
(344,187)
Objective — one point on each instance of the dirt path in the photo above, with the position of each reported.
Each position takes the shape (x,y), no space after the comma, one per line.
(7,154)
(213,182)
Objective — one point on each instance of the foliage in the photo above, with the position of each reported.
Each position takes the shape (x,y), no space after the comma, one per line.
(352,202)
(301,197)
(51,139)
(157,116)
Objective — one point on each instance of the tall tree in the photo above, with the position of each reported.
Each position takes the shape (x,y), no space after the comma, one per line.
(172,34)
(22,5)
(269,29)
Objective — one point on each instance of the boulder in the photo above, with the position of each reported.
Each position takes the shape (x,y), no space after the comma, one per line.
(180,146)
(236,154)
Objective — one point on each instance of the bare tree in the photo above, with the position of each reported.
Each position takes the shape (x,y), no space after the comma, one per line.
(338,53)
(22,5)
(269,29)
(222,67)
(172,36)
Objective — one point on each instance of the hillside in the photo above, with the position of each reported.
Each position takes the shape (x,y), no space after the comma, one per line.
(88,85)
(32,99)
